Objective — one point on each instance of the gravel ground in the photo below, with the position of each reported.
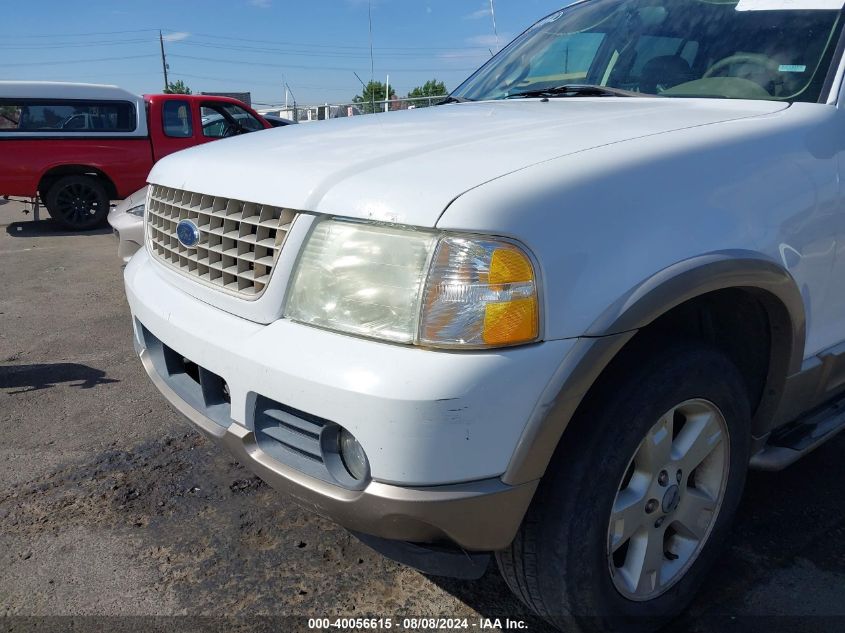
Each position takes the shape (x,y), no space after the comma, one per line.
(116,516)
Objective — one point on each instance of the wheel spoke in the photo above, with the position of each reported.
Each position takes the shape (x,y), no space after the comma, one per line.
(699,437)
(627,517)
(656,450)
(644,561)
(695,513)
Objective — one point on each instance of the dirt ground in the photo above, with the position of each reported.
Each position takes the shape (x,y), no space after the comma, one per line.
(114,515)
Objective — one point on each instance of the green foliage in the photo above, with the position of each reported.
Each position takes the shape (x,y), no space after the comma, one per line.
(177,87)
(431,88)
(375,91)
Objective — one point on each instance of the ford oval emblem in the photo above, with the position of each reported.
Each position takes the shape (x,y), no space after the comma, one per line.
(188,233)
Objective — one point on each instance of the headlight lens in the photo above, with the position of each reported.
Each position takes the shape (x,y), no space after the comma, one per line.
(362,279)
(137,210)
(411,286)
(480,293)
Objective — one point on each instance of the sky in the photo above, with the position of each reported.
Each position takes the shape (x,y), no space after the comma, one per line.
(257,45)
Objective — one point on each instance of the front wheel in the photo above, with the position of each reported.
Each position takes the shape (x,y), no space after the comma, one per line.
(639,498)
(78,202)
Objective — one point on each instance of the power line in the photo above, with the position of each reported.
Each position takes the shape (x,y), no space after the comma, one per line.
(145,40)
(307,53)
(300,52)
(64,35)
(331,46)
(313,68)
(78,61)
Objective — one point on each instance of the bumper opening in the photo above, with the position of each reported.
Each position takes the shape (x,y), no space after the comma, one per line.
(304,441)
(201,389)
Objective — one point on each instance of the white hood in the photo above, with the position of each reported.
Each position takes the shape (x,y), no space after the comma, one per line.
(407,167)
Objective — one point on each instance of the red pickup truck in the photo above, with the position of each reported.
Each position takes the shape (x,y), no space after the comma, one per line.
(75,147)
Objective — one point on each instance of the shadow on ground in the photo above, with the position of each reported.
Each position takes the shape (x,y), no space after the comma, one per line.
(49,228)
(47,375)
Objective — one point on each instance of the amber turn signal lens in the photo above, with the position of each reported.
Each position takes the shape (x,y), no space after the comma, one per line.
(480,293)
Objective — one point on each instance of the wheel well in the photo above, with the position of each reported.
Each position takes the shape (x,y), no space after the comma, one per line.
(750,326)
(52,175)
(760,328)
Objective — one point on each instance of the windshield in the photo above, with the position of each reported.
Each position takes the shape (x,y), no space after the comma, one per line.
(751,49)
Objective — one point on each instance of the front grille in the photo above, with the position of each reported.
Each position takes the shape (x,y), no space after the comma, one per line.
(239,241)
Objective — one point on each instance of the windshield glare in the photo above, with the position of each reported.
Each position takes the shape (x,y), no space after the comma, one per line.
(750,49)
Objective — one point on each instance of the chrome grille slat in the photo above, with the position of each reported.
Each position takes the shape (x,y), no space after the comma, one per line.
(239,241)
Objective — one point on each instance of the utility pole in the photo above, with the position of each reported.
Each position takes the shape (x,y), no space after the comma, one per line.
(370,16)
(372,67)
(387,94)
(163,60)
(293,96)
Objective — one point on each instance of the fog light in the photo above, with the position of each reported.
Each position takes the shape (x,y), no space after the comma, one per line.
(353,456)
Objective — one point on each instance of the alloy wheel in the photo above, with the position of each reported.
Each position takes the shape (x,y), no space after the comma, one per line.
(668,500)
(77,203)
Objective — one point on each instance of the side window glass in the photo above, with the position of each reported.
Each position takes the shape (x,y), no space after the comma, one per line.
(245,118)
(176,119)
(226,119)
(10,116)
(67,116)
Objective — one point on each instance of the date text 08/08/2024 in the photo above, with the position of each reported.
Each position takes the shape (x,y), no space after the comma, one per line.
(440,624)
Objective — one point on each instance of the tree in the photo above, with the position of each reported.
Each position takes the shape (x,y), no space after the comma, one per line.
(431,88)
(374,92)
(177,87)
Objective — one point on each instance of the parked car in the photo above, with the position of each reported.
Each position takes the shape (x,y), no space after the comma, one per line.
(277,121)
(127,222)
(127,218)
(554,319)
(77,146)
(215,125)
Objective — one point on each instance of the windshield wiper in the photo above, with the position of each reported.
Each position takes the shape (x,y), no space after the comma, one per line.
(451,99)
(576,90)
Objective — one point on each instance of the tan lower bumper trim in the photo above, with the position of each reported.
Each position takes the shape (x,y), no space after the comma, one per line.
(478,516)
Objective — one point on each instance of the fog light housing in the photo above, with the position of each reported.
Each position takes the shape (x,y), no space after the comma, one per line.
(353,456)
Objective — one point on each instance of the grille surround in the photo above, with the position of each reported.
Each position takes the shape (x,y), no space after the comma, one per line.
(239,243)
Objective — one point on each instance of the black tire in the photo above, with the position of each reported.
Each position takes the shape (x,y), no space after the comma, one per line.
(78,203)
(558,563)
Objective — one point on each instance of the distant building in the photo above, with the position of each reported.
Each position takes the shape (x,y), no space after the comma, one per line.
(246,97)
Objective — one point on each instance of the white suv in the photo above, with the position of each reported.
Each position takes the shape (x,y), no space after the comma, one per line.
(553,319)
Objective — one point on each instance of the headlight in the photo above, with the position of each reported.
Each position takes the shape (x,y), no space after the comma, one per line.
(137,210)
(362,279)
(411,286)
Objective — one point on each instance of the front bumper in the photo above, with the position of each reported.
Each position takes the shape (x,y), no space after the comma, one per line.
(439,427)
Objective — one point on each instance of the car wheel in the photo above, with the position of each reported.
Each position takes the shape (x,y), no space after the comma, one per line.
(78,202)
(639,497)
